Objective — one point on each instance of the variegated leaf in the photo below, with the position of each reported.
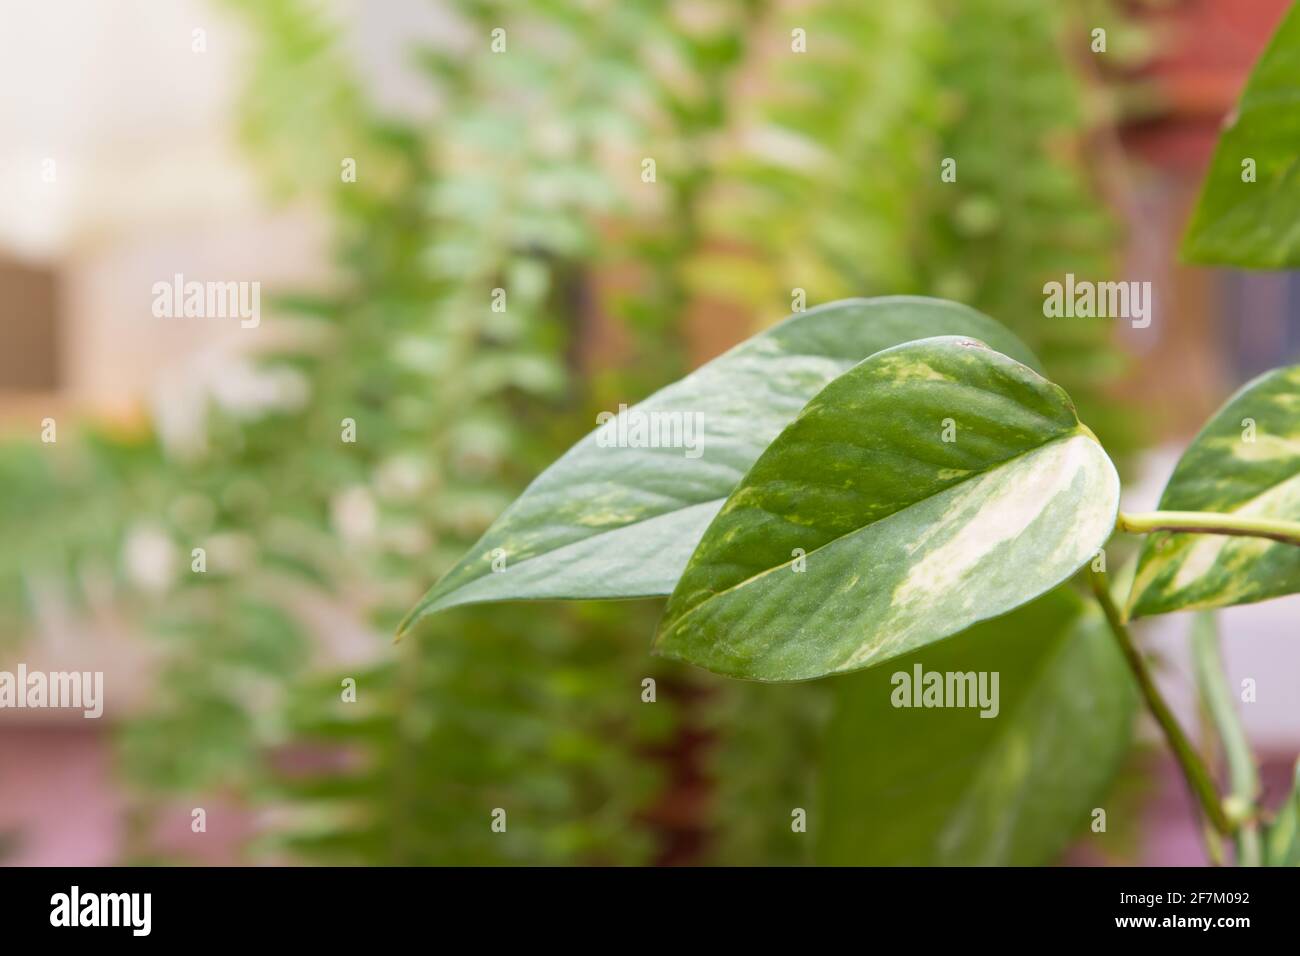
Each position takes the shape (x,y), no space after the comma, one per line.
(1245,462)
(612,522)
(944,786)
(863,533)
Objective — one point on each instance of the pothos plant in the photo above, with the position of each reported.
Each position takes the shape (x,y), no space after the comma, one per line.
(875,476)
(881,481)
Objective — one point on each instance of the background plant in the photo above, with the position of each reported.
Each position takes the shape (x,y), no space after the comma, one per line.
(527,181)
(916,537)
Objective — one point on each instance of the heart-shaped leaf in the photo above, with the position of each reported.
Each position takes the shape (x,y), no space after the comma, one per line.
(934,485)
(1249,212)
(908,783)
(613,519)
(1245,462)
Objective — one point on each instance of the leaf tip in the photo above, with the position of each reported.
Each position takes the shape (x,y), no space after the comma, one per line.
(413,615)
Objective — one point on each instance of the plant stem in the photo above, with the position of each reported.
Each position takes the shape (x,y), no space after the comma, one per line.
(1209,522)
(1242,775)
(1194,770)
(1213,844)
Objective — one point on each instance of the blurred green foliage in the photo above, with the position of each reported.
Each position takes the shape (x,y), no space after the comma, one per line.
(1247,210)
(776,170)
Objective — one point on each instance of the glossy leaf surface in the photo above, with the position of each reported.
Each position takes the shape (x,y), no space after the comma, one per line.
(1245,462)
(613,522)
(934,485)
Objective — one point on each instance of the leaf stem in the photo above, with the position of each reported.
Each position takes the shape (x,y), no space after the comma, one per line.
(1194,770)
(1209,522)
(1242,775)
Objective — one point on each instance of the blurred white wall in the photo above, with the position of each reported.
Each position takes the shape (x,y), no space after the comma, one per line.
(148,181)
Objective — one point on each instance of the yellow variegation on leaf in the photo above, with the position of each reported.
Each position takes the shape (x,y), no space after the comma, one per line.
(620,519)
(1244,463)
(934,485)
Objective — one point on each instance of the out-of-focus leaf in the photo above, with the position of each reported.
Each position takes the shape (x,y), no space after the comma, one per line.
(1282,843)
(1255,221)
(946,786)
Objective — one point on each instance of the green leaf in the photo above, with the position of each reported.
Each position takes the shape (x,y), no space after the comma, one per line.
(1256,224)
(1245,462)
(1282,840)
(613,522)
(945,786)
(905,537)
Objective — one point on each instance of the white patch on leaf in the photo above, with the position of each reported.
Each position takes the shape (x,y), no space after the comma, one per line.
(1265,447)
(1206,550)
(1003,501)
